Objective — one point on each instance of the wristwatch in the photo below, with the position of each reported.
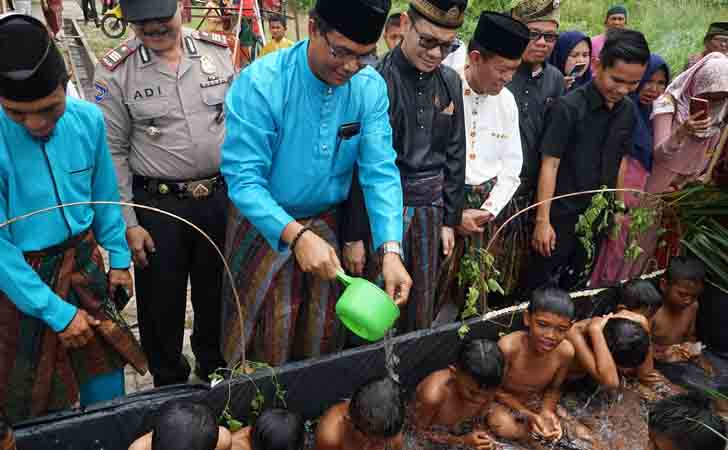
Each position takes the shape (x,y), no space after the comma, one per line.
(390,247)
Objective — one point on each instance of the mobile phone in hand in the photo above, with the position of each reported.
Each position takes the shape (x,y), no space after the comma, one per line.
(577,69)
(699,105)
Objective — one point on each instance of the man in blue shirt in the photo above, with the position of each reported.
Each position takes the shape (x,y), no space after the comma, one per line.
(297,121)
(60,333)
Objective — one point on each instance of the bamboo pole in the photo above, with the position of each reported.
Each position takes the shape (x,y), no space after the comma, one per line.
(716,156)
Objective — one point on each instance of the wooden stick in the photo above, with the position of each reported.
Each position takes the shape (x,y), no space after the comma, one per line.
(716,156)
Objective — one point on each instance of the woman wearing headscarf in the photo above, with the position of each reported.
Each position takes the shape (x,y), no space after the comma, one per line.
(612,265)
(684,145)
(573,48)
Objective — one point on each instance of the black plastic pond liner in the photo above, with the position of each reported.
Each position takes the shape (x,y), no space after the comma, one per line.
(311,386)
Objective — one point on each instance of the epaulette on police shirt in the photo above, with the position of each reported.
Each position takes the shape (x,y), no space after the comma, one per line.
(212,38)
(113,58)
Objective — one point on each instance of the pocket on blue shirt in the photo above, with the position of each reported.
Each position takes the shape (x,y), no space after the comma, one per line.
(346,156)
(79,182)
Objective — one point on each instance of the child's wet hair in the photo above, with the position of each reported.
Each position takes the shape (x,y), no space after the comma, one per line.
(483,360)
(377,408)
(552,300)
(688,422)
(685,268)
(182,425)
(278,429)
(636,294)
(628,342)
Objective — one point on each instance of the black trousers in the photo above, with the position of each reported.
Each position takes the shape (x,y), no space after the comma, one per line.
(566,263)
(161,288)
(89,10)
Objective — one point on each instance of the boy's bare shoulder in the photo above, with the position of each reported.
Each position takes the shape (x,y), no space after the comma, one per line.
(433,390)
(143,443)
(511,342)
(330,432)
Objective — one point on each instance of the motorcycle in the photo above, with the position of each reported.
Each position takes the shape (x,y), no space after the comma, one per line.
(113,24)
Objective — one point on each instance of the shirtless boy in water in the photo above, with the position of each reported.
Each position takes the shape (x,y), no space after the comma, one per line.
(192,426)
(674,322)
(464,391)
(537,363)
(371,420)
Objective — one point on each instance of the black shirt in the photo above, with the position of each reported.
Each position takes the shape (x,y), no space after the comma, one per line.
(590,140)
(533,95)
(428,131)
(712,320)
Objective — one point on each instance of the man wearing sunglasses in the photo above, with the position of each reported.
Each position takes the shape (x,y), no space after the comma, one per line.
(535,84)
(426,113)
(61,334)
(162,95)
(297,121)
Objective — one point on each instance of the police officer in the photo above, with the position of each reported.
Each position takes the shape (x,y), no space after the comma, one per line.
(162,95)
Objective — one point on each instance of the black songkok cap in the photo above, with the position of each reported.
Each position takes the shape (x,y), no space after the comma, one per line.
(717,28)
(501,34)
(618,9)
(31,66)
(141,10)
(445,13)
(361,21)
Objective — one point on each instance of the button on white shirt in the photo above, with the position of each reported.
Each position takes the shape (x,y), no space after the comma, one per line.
(493,144)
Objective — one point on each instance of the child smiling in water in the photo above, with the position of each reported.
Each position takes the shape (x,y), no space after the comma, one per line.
(537,363)
(463,391)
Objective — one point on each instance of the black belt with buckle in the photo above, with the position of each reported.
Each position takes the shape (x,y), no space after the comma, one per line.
(197,189)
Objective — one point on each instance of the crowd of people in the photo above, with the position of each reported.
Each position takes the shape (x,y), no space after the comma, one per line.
(323,156)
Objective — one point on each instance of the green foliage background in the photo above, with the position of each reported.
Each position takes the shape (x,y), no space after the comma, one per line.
(674,28)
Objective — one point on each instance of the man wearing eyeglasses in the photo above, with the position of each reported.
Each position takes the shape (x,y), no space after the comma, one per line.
(162,95)
(536,84)
(426,113)
(716,40)
(298,120)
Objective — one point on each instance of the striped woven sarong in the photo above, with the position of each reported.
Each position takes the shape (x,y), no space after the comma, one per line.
(287,314)
(508,249)
(37,374)
(422,250)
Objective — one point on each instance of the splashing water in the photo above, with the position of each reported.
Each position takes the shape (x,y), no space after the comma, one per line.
(391,360)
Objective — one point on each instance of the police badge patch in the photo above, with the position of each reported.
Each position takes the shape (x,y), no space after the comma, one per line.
(102,90)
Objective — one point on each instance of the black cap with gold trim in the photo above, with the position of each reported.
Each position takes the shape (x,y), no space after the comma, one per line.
(537,11)
(444,13)
(31,67)
(362,21)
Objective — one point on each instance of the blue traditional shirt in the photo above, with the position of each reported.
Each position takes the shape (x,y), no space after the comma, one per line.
(282,157)
(73,165)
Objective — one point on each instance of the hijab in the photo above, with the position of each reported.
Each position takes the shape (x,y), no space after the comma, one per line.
(565,44)
(643,131)
(710,74)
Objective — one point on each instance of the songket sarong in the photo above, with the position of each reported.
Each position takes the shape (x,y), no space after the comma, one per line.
(287,314)
(508,249)
(38,374)
(423,216)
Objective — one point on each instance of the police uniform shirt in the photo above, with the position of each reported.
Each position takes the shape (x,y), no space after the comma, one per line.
(161,123)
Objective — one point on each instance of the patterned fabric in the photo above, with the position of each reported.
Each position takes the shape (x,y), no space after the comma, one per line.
(37,374)
(537,10)
(287,314)
(509,248)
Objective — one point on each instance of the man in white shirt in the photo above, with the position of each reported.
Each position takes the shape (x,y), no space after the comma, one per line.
(494,154)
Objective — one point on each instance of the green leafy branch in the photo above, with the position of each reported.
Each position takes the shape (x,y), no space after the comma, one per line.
(256,405)
(605,209)
(479,275)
